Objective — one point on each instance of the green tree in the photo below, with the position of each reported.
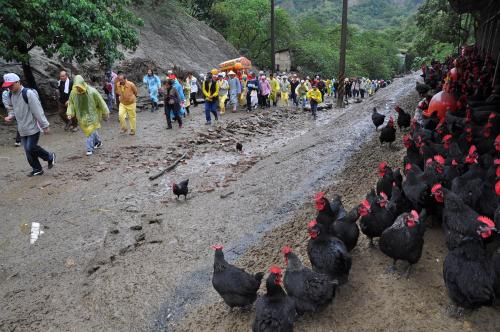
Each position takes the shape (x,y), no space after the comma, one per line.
(72,29)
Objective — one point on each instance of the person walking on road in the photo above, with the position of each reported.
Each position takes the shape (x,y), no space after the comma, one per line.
(223,92)
(301,92)
(211,92)
(234,90)
(153,84)
(275,88)
(252,88)
(25,106)
(315,97)
(193,82)
(172,104)
(128,97)
(264,91)
(285,90)
(64,89)
(293,89)
(89,108)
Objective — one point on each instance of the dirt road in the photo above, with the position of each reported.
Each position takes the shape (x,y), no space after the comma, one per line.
(119,253)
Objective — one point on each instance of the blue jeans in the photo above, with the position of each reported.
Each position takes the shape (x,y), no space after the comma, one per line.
(304,102)
(211,107)
(314,108)
(92,140)
(34,151)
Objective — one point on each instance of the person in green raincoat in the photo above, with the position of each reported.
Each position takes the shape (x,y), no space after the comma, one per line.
(88,106)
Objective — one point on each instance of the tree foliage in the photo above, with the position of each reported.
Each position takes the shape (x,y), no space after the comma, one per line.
(71,29)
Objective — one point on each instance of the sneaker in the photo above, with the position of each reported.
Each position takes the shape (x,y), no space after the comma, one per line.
(35,173)
(132,132)
(53,161)
(98,145)
(17,144)
(208,123)
(89,153)
(124,131)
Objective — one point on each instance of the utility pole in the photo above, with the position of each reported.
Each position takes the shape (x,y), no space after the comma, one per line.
(273,59)
(343,45)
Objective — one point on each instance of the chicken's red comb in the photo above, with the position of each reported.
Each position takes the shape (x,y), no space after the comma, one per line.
(497,139)
(384,195)
(439,158)
(497,161)
(497,188)
(414,214)
(472,149)
(454,162)
(446,138)
(217,247)
(312,224)
(408,166)
(492,116)
(428,161)
(486,220)
(275,269)
(436,187)
(319,196)
(286,250)
(382,166)
(365,203)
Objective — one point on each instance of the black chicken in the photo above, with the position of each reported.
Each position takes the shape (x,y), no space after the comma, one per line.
(346,229)
(181,189)
(388,133)
(496,265)
(236,287)
(328,254)
(415,187)
(239,147)
(377,118)
(459,220)
(386,179)
(404,239)
(375,217)
(404,119)
(328,211)
(274,311)
(312,291)
(469,275)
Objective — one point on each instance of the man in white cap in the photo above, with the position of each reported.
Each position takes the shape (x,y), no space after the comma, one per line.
(28,111)
(234,89)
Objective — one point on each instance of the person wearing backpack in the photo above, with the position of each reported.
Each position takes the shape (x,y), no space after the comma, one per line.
(8,108)
(28,111)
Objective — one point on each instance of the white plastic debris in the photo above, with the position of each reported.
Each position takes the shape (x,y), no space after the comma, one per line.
(35,232)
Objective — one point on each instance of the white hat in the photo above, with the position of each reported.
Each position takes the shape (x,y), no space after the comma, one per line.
(9,79)
(231,73)
(220,74)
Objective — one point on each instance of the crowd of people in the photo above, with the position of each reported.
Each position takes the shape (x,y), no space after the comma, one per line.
(81,105)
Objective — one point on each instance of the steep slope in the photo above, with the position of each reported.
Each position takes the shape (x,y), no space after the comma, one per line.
(169,39)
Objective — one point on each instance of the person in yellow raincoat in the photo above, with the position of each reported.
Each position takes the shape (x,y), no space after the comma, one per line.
(275,89)
(285,88)
(186,88)
(87,105)
(301,92)
(223,92)
(314,96)
(329,87)
(243,94)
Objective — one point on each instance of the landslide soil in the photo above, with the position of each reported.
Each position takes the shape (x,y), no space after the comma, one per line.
(119,253)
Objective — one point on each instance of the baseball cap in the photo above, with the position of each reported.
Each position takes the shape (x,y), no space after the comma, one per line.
(172,77)
(9,79)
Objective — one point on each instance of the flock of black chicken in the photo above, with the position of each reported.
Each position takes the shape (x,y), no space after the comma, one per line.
(450,175)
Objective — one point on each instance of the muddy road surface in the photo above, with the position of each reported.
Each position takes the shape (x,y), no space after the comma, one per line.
(119,253)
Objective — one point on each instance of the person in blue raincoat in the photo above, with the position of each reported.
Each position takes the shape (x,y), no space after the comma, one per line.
(180,90)
(153,84)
